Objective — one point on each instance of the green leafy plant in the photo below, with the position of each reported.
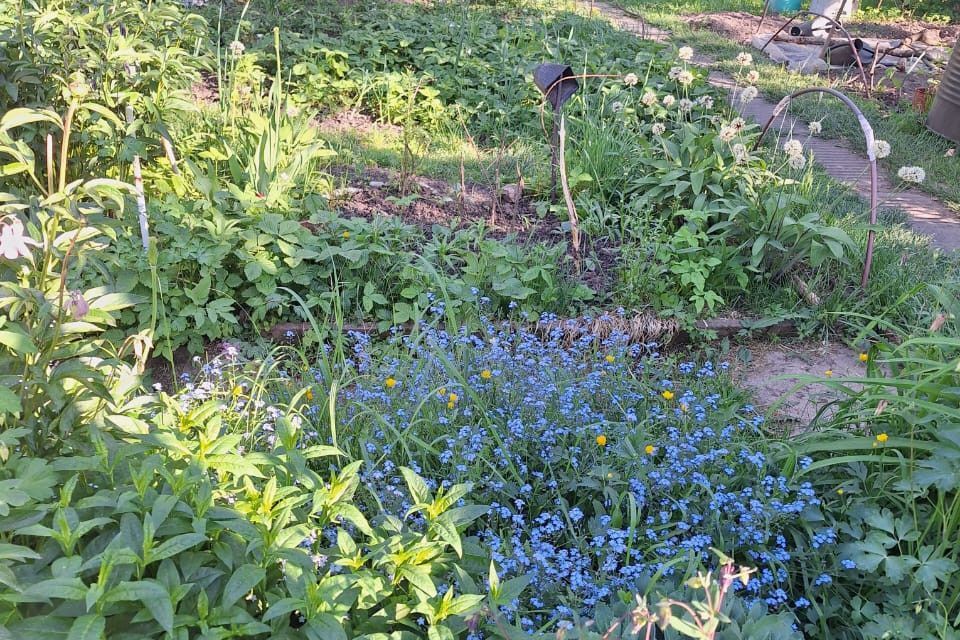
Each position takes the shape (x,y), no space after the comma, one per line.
(58,373)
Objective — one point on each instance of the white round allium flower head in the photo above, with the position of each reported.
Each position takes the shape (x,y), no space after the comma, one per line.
(706,102)
(668,100)
(649,98)
(236,48)
(685,78)
(752,76)
(674,72)
(658,129)
(727,133)
(797,162)
(685,54)
(630,79)
(748,94)
(685,105)
(881,148)
(793,148)
(815,128)
(744,59)
(738,124)
(912,174)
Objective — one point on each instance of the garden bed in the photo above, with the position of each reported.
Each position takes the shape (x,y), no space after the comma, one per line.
(447,438)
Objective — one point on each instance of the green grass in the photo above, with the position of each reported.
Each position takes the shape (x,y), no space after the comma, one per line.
(437,155)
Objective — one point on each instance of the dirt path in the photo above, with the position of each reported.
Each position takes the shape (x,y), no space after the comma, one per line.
(926,214)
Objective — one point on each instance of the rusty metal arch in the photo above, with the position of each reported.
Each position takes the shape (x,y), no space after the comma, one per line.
(871,159)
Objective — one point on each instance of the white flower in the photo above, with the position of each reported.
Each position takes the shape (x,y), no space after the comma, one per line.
(752,76)
(740,153)
(815,127)
(668,100)
(616,107)
(685,105)
(744,59)
(630,79)
(706,102)
(881,148)
(674,72)
(685,54)
(658,129)
(912,174)
(685,77)
(793,148)
(748,94)
(738,124)
(236,48)
(727,134)
(13,243)
(649,98)
(797,162)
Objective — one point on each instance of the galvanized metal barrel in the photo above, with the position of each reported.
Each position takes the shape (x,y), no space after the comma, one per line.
(944,117)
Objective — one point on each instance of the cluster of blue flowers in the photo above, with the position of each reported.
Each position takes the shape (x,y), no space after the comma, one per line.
(602,464)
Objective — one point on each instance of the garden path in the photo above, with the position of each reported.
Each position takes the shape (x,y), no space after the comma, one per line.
(926,214)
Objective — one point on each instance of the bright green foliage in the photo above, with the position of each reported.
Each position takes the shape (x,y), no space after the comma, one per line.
(262,269)
(175,534)
(129,53)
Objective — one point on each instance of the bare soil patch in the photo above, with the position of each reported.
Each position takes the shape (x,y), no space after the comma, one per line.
(741,26)
(374,191)
(774,369)
(355,123)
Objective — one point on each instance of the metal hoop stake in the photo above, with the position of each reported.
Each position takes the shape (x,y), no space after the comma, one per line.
(871,158)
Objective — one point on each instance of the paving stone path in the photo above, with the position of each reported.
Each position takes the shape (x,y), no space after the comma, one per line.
(926,214)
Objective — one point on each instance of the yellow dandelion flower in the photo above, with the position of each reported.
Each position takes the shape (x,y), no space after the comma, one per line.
(667,395)
(602,440)
(237,391)
(391,382)
(650,449)
(346,235)
(453,397)
(309,395)
(864,357)
(451,404)
(828,373)
(486,374)
(882,437)
(610,358)
(442,391)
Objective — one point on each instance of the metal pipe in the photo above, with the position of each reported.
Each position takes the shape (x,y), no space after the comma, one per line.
(763,16)
(871,158)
